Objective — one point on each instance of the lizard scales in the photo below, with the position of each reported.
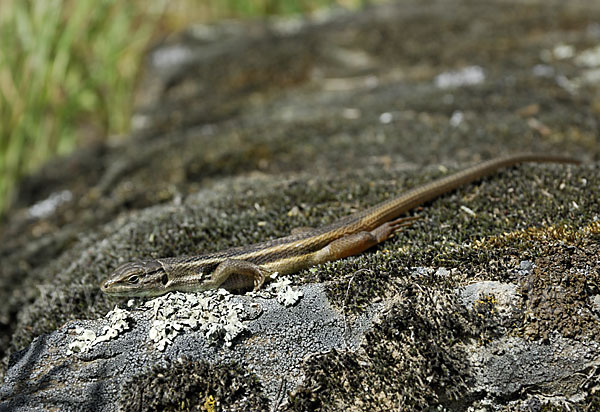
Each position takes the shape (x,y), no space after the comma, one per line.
(242,267)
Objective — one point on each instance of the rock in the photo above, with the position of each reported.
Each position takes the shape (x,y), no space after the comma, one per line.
(245,131)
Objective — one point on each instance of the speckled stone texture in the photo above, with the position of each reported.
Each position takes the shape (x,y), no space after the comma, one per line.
(244,131)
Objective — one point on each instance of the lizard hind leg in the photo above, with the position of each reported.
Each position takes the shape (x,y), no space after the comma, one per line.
(345,246)
(358,242)
(384,231)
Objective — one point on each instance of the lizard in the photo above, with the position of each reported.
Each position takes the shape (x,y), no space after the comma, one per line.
(246,266)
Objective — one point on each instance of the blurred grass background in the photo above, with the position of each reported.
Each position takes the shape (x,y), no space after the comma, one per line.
(68,68)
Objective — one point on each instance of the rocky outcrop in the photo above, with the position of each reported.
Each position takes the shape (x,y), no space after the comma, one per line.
(244,131)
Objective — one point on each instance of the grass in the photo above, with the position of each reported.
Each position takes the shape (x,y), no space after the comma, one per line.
(68,68)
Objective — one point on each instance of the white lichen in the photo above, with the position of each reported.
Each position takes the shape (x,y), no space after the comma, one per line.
(589,57)
(467,76)
(48,206)
(87,338)
(212,312)
(216,313)
(285,293)
(82,342)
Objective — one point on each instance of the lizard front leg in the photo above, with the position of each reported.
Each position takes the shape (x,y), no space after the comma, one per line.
(236,274)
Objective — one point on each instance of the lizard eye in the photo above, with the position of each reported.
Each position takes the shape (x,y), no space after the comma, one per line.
(132,280)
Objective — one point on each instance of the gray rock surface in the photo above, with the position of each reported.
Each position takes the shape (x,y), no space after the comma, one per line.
(247,130)
(274,341)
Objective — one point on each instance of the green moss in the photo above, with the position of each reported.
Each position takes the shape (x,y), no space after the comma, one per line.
(411,360)
(188,385)
(557,296)
(266,138)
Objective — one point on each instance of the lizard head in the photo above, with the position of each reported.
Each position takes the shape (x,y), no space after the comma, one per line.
(139,278)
